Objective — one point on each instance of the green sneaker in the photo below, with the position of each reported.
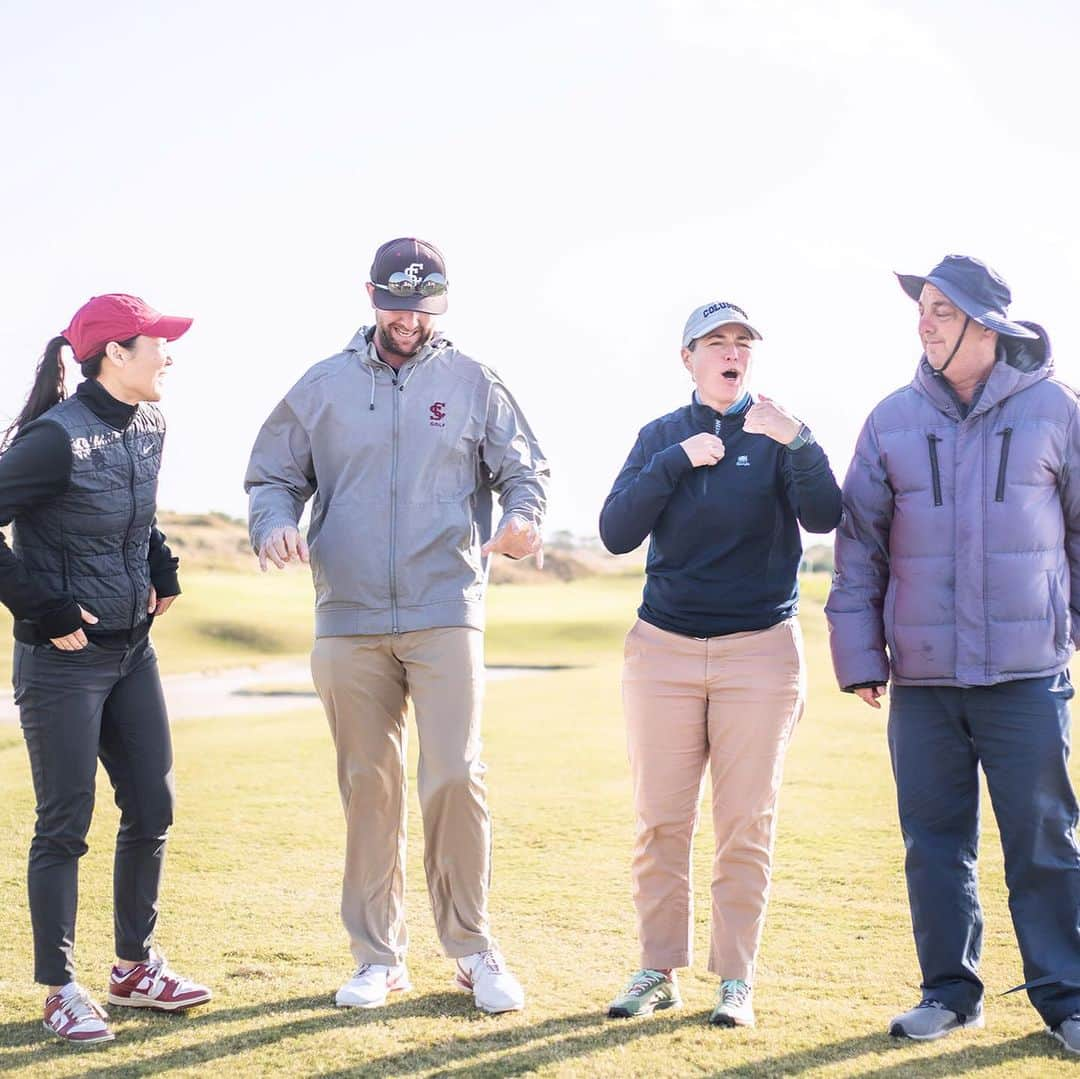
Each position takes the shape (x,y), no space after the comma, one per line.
(735,1008)
(647,991)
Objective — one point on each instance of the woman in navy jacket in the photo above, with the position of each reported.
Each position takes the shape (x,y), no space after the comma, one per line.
(713,669)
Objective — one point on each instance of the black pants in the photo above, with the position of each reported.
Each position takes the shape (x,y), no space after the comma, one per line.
(1019,733)
(75,707)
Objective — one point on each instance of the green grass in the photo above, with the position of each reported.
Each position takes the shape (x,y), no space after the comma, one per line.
(252,888)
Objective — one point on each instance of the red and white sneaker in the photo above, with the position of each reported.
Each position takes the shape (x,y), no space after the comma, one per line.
(487,977)
(152,984)
(371,985)
(73,1015)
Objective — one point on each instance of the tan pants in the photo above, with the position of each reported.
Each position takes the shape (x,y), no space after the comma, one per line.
(364,683)
(730,702)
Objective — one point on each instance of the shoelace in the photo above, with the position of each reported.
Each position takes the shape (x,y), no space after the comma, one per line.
(158,971)
(80,1006)
(643,982)
(492,960)
(735,992)
(930,1004)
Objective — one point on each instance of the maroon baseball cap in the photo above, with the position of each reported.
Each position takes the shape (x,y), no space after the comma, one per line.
(409,275)
(117,317)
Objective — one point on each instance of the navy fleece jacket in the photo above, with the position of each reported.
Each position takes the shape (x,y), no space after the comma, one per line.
(725,547)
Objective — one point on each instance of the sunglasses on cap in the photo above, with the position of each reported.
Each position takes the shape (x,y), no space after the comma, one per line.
(403,284)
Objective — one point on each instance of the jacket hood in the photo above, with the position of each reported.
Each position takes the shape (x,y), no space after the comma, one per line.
(361,344)
(1021,362)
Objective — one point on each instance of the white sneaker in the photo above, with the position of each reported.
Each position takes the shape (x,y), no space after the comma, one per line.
(371,985)
(735,1006)
(493,987)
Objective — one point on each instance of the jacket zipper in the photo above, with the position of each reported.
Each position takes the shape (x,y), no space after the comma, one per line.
(127,534)
(393,508)
(1006,437)
(935,469)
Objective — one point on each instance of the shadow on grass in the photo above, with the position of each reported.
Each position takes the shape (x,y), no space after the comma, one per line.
(969,1058)
(35,1045)
(513,1048)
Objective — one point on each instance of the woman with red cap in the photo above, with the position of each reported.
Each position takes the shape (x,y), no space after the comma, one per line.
(87,573)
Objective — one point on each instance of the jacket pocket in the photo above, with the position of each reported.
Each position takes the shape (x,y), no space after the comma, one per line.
(888,616)
(1062,615)
(935,467)
(1006,438)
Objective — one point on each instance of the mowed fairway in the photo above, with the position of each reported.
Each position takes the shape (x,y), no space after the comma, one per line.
(251,896)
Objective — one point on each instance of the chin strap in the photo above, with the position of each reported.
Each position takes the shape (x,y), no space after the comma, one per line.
(956,348)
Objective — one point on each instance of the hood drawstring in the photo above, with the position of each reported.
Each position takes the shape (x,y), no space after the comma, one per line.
(405,380)
(438,343)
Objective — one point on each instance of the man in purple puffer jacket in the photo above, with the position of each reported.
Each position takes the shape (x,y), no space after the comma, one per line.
(958,577)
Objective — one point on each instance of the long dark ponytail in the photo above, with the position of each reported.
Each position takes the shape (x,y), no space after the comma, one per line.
(48,388)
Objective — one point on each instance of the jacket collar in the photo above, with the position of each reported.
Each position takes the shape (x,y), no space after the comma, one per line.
(706,417)
(362,344)
(1020,363)
(107,408)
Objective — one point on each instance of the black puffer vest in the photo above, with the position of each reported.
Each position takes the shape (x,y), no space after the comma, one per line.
(92,541)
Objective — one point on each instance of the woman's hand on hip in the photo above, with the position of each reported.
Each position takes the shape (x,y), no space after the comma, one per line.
(703,449)
(766,417)
(158,607)
(75,642)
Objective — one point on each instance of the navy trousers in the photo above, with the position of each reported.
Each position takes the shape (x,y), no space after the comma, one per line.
(75,707)
(1019,733)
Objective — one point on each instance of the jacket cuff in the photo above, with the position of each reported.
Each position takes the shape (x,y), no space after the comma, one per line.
(675,461)
(61,622)
(259,538)
(166,583)
(863,685)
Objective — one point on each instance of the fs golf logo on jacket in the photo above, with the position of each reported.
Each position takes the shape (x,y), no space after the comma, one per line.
(438,414)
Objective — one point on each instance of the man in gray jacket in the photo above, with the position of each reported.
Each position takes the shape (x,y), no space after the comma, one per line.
(401,440)
(959,557)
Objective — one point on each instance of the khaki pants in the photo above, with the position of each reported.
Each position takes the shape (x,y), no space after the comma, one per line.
(730,702)
(364,683)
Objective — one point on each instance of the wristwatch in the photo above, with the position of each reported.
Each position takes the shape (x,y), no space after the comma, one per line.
(804,437)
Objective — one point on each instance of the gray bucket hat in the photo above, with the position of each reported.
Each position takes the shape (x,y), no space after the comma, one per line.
(973,287)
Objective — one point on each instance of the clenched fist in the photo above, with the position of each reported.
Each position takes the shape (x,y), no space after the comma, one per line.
(703,449)
(766,417)
(517,538)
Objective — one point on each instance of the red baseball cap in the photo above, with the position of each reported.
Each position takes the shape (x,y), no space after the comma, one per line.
(117,317)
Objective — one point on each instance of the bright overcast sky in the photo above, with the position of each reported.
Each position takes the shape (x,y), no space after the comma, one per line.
(592,171)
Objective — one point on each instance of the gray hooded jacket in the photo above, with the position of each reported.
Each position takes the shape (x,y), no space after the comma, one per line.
(402,466)
(959,549)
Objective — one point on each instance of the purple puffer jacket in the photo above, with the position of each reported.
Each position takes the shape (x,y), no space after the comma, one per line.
(959,549)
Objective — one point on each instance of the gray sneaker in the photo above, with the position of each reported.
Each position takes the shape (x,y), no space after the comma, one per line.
(735,1008)
(930,1019)
(1068,1033)
(647,991)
